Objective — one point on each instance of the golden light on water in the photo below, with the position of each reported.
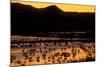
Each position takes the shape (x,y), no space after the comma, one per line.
(73,54)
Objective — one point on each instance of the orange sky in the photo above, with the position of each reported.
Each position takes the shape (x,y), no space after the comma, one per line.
(64,7)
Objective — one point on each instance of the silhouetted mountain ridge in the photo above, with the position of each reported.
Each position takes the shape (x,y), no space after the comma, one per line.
(26,19)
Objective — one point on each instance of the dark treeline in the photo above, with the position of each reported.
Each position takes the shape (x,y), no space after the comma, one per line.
(26,19)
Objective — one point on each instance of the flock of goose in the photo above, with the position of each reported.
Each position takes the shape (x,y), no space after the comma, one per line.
(53,54)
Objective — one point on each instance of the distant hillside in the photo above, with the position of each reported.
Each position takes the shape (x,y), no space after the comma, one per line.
(26,19)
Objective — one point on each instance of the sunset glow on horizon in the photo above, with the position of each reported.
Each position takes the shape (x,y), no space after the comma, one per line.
(64,7)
